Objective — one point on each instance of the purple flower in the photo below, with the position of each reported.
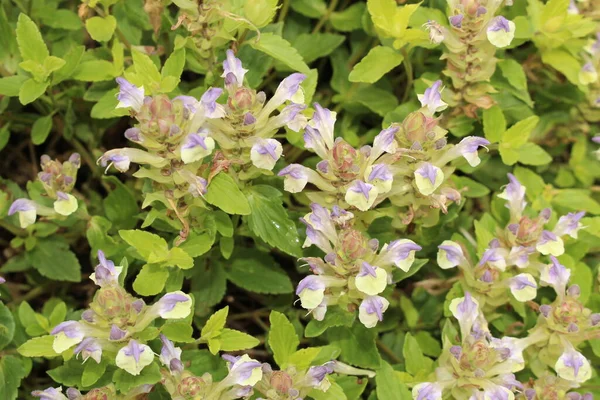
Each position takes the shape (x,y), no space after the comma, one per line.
(499,23)
(371,310)
(289,87)
(311,282)
(450,254)
(49,394)
(569,224)
(233,65)
(316,374)
(500,31)
(175,305)
(133,134)
(265,153)
(361,195)
(243,371)
(129,96)
(573,366)
(596,139)
(209,102)
(367,269)
(71,329)
(520,282)
(427,391)
(556,275)
(323,120)
(384,142)
(400,252)
(296,178)
(466,311)
(190,104)
(494,257)
(117,333)
(456,20)
(468,149)
(170,355)
(21,205)
(432,98)
(196,146)
(105,273)
(514,193)
(89,347)
(134,357)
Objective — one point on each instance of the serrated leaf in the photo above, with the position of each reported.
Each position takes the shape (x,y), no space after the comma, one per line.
(224,193)
(269,220)
(281,50)
(53,259)
(316,45)
(282,338)
(389,386)
(379,61)
(7,326)
(357,344)
(12,371)
(494,123)
(30,90)
(38,347)
(145,243)
(215,324)
(29,38)
(11,85)
(335,317)
(198,244)
(92,372)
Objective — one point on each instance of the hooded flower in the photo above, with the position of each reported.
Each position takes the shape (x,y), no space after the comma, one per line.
(89,348)
(468,149)
(465,310)
(50,394)
(573,366)
(501,31)
(361,195)
(243,371)
(514,193)
(449,255)
(26,209)
(233,65)
(427,391)
(371,279)
(196,147)
(428,178)
(129,96)
(66,335)
(523,287)
(105,273)
(265,153)
(65,204)
(400,252)
(371,310)
(134,357)
(174,305)
(432,98)
(170,355)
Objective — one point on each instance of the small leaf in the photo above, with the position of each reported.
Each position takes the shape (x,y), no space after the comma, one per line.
(282,338)
(150,280)
(281,50)
(45,258)
(224,193)
(389,386)
(494,123)
(29,38)
(38,347)
(215,324)
(232,340)
(258,273)
(31,90)
(40,129)
(373,66)
(101,29)
(145,243)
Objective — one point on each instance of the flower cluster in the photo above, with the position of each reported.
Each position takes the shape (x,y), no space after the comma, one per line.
(588,75)
(513,259)
(113,327)
(180,136)
(106,392)
(354,271)
(58,180)
(471,40)
(407,164)
(563,325)
(550,387)
(479,366)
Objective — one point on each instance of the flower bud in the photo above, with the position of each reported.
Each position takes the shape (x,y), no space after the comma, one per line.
(352,244)
(281,382)
(191,387)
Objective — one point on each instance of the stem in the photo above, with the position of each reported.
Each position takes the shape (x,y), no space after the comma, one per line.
(284,10)
(388,352)
(325,16)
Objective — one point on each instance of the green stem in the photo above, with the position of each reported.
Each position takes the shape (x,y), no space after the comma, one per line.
(325,16)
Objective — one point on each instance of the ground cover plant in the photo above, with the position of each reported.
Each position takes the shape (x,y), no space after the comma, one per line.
(299,199)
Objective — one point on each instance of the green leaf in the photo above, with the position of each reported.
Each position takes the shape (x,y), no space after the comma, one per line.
(178,331)
(232,340)
(518,134)
(373,66)
(494,123)
(282,338)
(335,392)
(150,280)
(198,244)
(349,19)
(389,386)
(309,8)
(38,347)
(474,189)
(269,220)
(224,193)
(260,12)
(532,154)
(53,259)
(357,345)
(7,326)
(415,360)
(174,64)
(210,288)
(215,324)
(147,244)
(40,129)
(11,85)
(92,372)
(29,38)
(576,200)
(179,258)
(513,72)
(335,316)
(94,71)
(564,62)
(101,29)
(120,205)
(382,13)
(316,45)
(124,381)
(377,100)
(281,50)
(258,273)
(12,371)
(145,68)
(31,90)
(582,275)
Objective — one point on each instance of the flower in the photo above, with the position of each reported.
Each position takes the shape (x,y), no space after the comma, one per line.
(588,74)
(371,310)
(400,252)
(465,310)
(569,224)
(134,357)
(323,120)
(89,347)
(243,371)
(233,65)
(384,142)
(456,20)
(450,254)
(432,98)
(196,146)
(105,273)
(295,176)
(514,192)
(65,204)
(212,109)
(555,275)
(66,335)
(428,178)
(129,96)
(371,279)
(311,289)
(380,176)
(501,31)
(26,209)
(427,391)
(174,305)
(265,153)
(361,195)
(549,243)
(436,32)
(523,287)
(573,366)
(170,355)
(50,394)
(468,148)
